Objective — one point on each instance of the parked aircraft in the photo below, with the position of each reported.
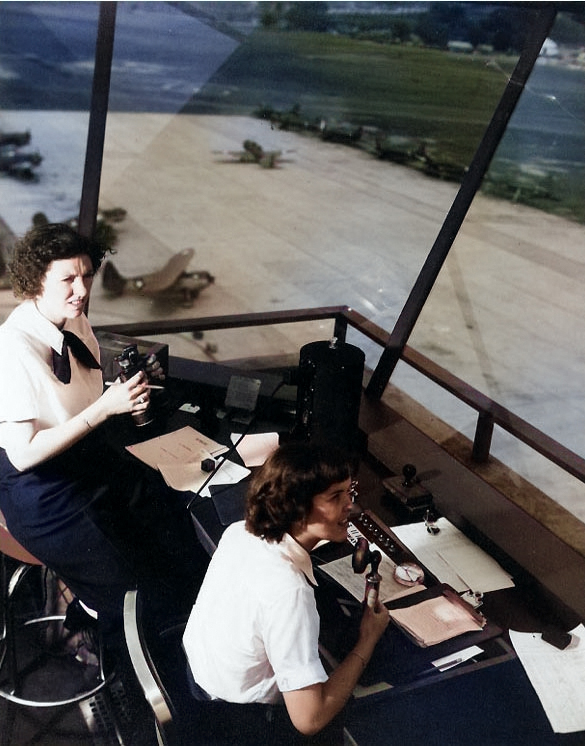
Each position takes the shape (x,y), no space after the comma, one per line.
(345,133)
(171,283)
(18,139)
(5,283)
(15,162)
(19,164)
(254,153)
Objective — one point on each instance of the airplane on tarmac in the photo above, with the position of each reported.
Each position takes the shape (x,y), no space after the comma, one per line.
(15,162)
(253,153)
(17,139)
(171,283)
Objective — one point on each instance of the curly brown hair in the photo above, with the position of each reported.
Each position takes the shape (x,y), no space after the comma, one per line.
(41,245)
(281,493)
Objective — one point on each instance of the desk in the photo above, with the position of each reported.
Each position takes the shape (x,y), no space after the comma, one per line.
(496,706)
(444,715)
(489,702)
(396,661)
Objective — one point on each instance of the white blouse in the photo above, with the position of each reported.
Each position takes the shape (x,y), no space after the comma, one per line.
(29,390)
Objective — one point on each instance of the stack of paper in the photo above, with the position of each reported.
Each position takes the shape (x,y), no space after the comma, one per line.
(437,619)
(453,558)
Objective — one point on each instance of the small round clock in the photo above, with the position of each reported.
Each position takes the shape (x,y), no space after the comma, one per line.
(408,574)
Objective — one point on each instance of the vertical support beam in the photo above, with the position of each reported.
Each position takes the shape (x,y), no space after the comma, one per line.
(545,16)
(483,438)
(96,132)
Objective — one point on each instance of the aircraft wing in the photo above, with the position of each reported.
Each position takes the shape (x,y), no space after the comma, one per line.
(164,278)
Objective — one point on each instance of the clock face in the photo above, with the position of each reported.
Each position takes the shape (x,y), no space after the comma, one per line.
(408,574)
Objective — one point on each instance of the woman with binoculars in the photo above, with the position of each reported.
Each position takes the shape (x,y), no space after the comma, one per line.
(102,521)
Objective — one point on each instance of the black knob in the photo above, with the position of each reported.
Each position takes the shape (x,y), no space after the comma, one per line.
(409,473)
(375,559)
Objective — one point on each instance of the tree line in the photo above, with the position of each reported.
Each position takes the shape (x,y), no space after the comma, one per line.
(499,26)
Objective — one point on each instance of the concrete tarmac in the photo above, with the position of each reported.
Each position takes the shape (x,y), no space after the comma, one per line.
(332,225)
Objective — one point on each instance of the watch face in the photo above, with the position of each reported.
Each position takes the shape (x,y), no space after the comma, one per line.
(408,574)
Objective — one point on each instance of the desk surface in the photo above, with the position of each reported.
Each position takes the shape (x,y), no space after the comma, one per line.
(496,706)
(397,661)
(371,718)
(525,608)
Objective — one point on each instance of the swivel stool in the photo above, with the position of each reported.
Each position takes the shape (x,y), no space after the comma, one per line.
(34,646)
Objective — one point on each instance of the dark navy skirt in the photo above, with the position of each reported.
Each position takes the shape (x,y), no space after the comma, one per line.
(105,523)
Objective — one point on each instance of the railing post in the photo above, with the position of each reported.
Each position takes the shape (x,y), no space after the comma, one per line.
(483,438)
(340,328)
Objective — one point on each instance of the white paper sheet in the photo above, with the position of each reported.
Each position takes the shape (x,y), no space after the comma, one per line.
(178,456)
(255,448)
(558,677)
(453,558)
(341,570)
(183,446)
(454,659)
(189,476)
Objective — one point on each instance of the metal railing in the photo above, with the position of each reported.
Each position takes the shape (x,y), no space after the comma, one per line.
(490,413)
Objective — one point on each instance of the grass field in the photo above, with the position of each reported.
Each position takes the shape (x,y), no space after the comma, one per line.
(443,99)
(404,90)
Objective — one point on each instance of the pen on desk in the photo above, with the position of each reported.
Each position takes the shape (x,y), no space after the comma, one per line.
(158,388)
(449,664)
(443,667)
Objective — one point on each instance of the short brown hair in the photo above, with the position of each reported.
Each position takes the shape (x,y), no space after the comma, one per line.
(281,493)
(41,245)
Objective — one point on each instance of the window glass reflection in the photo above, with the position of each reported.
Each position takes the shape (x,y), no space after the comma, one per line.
(365,124)
(46,69)
(506,312)
(313,163)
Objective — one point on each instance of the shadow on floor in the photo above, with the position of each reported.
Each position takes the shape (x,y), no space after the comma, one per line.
(109,718)
(54,664)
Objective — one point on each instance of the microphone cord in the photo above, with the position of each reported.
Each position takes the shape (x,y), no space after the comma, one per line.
(224,456)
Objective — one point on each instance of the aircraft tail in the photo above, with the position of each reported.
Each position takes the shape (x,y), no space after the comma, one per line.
(112,280)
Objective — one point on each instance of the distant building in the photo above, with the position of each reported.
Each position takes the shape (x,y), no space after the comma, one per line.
(462,47)
(362,7)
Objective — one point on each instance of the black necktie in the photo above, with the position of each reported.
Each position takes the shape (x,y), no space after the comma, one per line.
(61,366)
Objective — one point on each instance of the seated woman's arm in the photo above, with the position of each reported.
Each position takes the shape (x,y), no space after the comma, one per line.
(28,445)
(313,707)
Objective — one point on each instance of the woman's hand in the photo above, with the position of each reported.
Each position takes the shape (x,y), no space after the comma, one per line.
(122,397)
(30,445)
(374,622)
(154,370)
(312,707)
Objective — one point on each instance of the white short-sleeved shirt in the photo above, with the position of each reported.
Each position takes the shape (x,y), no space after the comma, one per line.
(29,390)
(253,632)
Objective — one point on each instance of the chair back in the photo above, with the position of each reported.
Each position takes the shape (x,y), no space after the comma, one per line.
(146,671)
(161,668)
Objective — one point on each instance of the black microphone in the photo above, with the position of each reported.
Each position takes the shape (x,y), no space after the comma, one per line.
(361,557)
